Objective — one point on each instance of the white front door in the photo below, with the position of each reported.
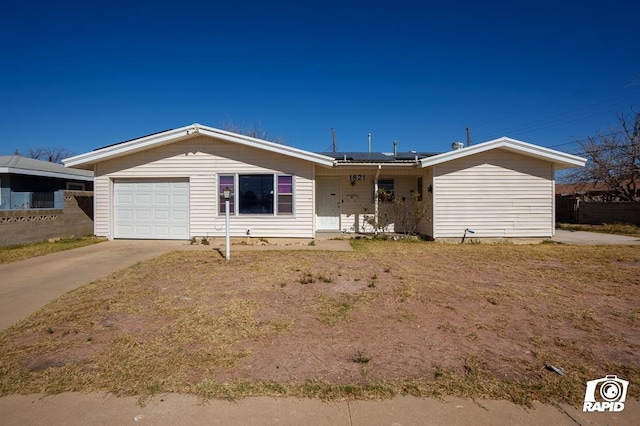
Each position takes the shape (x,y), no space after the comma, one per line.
(328,204)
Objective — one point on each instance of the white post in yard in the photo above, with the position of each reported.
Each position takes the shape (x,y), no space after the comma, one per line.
(375,200)
(226,208)
(227,195)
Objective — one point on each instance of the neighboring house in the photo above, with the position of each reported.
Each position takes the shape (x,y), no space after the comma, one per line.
(170,185)
(594,191)
(26,183)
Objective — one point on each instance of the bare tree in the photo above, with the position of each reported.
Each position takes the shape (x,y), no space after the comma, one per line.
(52,155)
(614,159)
(253,130)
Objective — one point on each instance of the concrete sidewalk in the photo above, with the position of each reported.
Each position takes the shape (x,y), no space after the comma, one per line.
(175,409)
(27,285)
(593,238)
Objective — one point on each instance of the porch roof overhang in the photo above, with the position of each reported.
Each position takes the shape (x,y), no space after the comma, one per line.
(371,165)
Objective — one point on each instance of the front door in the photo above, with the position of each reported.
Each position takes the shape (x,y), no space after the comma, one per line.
(328,204)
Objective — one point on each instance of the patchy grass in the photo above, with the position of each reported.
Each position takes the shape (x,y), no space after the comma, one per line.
(26,251)
(475,321)
(607,228)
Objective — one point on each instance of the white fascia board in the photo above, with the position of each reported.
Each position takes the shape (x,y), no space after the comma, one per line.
(15,171)
(88,159)
(265,145)
(560,159)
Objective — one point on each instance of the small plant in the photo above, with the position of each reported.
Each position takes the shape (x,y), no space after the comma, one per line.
(263,240)
(204,241)
(387,270)
(372,283)
(49,330)
(324,278)
(361,358)
(193,241)
(547,241)
(307,278)
(312,243)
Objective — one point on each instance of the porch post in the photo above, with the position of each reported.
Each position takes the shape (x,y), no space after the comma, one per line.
(375,200)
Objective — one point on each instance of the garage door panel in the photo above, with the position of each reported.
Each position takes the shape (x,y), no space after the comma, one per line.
(140,214)
(181,185)
(151,209)
(161,232)
(181,200)
(143,199)
(124,214)
(161,214)
(180,215)
(162,199)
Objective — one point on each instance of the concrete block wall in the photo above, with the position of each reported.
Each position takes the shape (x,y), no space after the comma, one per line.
(75,219)
(617,212)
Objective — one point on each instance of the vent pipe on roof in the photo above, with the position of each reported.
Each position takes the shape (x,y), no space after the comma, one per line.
(468,137)
(457,145)
(369,141)
(395,148)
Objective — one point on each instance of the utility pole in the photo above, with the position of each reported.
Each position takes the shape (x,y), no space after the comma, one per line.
(333,136)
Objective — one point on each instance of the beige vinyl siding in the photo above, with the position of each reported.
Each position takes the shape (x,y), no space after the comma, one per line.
(496,193)
(101,200)
(201,159)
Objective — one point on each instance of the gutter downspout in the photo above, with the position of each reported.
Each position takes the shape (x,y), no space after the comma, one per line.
(375,199)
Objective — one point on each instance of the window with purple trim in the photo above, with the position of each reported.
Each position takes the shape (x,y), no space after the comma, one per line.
(226,182)
(254,194)
(285,194)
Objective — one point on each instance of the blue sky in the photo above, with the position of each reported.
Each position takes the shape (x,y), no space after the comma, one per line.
(80,75)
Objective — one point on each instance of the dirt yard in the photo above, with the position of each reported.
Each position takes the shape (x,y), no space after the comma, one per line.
(391,317)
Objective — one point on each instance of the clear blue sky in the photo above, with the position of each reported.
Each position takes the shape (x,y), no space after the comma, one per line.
(81,75)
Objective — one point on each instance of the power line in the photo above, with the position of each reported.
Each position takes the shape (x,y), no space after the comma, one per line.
(558,119)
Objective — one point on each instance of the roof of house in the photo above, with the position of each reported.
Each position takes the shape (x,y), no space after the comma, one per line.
(582,188)
(560,159)
(15,164)
(87,160)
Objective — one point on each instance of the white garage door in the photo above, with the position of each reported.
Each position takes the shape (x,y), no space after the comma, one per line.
(151,209)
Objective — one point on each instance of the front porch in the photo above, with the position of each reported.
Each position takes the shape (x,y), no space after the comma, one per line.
(374,200)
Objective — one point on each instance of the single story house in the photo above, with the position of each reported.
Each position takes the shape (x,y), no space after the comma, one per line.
(170,185)
(27,183)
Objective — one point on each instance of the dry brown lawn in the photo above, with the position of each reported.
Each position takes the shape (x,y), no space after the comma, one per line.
(390,318)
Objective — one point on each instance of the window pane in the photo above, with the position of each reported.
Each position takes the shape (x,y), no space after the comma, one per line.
(256,194)
(285,204)
(285,185)
(386,189)
(225,182)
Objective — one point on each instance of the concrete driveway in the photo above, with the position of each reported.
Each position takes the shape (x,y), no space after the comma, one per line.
(593,238)
(27,285)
